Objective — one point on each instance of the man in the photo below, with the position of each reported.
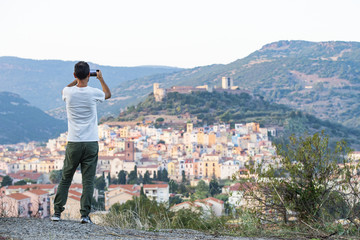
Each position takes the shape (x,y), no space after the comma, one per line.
(82,148)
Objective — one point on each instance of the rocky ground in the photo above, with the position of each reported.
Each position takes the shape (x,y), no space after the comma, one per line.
(44,229)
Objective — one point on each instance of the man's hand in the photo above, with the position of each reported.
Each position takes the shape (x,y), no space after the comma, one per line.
(99,74)
(105,87)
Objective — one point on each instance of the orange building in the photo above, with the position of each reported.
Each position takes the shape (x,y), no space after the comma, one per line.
(212,139)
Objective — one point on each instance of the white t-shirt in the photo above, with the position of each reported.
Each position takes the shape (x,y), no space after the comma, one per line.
(81,112)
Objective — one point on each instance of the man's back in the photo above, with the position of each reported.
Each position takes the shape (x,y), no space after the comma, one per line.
(81,112)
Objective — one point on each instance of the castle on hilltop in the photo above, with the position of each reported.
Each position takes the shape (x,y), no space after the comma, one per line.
(227,85)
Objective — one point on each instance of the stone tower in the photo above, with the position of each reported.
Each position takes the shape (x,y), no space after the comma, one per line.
(227,83)
(159,93)
(129,151)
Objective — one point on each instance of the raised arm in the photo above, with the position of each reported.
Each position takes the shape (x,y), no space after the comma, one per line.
(104,86)
(73,83)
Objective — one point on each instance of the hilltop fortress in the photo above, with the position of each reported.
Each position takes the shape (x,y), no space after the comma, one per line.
(226,86)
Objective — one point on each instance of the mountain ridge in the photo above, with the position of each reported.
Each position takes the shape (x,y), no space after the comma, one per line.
(21,122)
(46,78)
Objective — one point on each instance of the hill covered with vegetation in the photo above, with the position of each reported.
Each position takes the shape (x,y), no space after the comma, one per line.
(319,78)
(216,107)
(21,122)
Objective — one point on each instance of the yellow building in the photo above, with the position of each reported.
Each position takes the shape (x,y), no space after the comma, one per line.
(189,127)
(254,127)
(46,166)
(212,139)
(172,168)
(174,151)
(201,138)
(124,132)
(219,148)
(209,166)
(119,194)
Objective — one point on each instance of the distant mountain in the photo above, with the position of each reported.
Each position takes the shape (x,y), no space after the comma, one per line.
(215,107)
(40,81)
(21,122)
(321,78)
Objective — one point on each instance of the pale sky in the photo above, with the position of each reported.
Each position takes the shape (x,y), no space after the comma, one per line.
(181,33)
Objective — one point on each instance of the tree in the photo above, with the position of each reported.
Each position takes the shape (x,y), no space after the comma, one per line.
(183,176)
(183,189)
(133,176)
(100,183)
(146,179)
(159,176)
(173,186)
(55,176)
(7,181)
(109,178)
(214,187)
(175,200)
(310,177)
(122,177)
(164,175)
(142,194)
(21,182)
(201,190)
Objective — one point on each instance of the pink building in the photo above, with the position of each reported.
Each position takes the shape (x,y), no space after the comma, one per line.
(40,203)
(189,168)
(15,205)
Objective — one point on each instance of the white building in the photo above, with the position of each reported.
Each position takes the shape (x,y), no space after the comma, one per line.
(229,168)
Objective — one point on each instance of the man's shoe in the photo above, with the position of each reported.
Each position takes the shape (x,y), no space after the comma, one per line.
(86,219)
(55,217)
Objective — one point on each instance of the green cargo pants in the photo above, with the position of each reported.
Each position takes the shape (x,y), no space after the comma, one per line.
(84,154)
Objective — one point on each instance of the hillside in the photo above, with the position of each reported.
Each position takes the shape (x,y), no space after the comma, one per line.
(322,78)
(21,122)
(46,78)
(214,107)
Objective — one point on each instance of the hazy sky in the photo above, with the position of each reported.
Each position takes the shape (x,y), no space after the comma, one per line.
(182,33)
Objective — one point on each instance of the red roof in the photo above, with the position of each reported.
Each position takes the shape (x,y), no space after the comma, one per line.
(18,196)
(25,174)
(33,186)
(183,203)
(133,193)
(240,186)
(155,186)
(203,202)
(149,166)
(128,187)
(132,188)
(38,192)
(75,193)
(76,185)
(75,198)
(214,199)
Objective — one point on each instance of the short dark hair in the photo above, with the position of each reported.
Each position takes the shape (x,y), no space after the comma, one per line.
(81,70)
